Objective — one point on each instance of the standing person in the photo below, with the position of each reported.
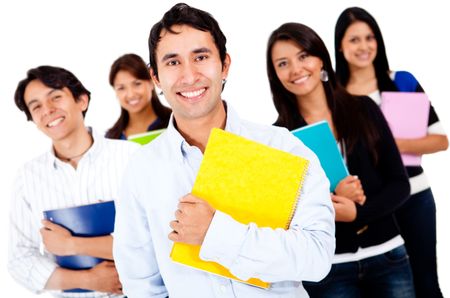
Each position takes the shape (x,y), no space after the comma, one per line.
(81,168)
(140,108)
(362,68)
(370,258)
(189,62)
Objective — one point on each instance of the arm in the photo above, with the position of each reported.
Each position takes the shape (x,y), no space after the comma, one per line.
(345,208)
(436,139)
(392,188)
(431,143)
(133,246)
(303,252)
(59,241)
(25,263)
(102,278)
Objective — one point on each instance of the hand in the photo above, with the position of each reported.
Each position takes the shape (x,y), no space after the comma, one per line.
(345,208)
(104,278)
(402,145)
(193,217)
(351,188)
(57,239)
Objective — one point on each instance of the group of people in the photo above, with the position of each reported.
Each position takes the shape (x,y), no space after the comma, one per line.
(374,236)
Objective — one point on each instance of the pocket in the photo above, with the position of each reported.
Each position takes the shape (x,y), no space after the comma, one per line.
(397,255)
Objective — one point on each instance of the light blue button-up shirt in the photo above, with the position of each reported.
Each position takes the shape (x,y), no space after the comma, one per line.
(164,171)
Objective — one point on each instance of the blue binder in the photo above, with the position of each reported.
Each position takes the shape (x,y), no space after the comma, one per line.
(319,138)
(83,221)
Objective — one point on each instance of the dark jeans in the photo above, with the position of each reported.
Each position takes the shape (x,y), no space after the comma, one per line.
(417,222)
(384,276)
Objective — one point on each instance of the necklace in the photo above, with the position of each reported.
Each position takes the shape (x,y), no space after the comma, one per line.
(69,159)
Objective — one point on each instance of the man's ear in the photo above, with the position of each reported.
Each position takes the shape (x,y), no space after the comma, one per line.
(226,66)
(154,78)
(83,100)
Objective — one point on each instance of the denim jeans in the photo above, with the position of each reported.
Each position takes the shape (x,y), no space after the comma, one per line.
(417,223)
(384,276)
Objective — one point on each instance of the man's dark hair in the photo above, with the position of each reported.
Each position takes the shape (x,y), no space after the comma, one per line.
(53,77)
(183,14)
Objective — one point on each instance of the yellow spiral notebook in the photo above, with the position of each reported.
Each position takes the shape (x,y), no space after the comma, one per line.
(251,182)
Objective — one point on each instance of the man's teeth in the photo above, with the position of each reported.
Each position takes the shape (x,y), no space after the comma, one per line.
(55,122)
(193,93)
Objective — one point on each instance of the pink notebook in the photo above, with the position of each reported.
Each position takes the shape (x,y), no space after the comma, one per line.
(407,116)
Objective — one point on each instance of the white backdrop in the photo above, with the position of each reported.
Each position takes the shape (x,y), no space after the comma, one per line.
(86,36)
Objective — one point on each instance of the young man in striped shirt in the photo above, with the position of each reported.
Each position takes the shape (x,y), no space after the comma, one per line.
(81,168)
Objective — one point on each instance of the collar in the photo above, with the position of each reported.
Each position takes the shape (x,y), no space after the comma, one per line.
(91,154)
(177,142)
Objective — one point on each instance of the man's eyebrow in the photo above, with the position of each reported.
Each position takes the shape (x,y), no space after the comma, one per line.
(201,50)
(168,56)
(31,102)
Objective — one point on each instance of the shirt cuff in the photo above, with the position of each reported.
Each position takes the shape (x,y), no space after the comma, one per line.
(223,240)
(46,268)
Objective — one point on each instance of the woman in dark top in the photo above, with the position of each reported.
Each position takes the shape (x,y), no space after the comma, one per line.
(362,68)
(370,258)
(141,109)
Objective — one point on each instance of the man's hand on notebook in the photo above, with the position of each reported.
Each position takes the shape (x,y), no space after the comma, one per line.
(192,220)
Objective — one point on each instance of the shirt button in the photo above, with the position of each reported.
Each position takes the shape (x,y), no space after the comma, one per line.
(223,288)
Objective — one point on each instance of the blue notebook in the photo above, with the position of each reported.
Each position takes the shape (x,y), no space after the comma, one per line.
(319,138)
(83,221)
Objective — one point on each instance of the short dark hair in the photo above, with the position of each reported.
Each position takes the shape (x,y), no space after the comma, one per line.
(53,77)
(381,64)
(183,14)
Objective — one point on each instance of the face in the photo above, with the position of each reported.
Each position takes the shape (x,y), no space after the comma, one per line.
(134,94)
(55,111)
(297,70)
(359,45)
(190,72)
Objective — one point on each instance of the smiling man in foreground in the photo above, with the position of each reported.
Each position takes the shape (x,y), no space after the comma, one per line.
(190,64)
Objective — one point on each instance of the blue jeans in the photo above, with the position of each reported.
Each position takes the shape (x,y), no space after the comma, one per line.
(417,223)
(384,276)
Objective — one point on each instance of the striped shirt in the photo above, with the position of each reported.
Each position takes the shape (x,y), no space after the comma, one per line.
(48,183)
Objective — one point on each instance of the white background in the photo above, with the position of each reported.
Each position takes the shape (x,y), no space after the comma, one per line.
(87,36)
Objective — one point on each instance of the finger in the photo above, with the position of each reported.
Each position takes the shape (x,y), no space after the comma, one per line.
(178,214)
(190,198)
(174,225)
(174,236)
(49,225)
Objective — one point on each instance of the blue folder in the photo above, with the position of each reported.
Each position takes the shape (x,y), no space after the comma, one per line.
(83,221)
(319,138)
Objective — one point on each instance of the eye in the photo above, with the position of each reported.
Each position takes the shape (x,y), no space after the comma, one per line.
(35,108)
(137,83)
(371,38)
(303,56)
(120,88)
(56,97)
(201,57)
(281,64)
(173,62)
(354,40)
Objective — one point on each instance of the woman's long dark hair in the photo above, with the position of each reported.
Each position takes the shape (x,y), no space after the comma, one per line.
(381,64)
(349,117)
(134,64)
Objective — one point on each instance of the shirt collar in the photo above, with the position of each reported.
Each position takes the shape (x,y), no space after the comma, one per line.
(177,141)
(91,154)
